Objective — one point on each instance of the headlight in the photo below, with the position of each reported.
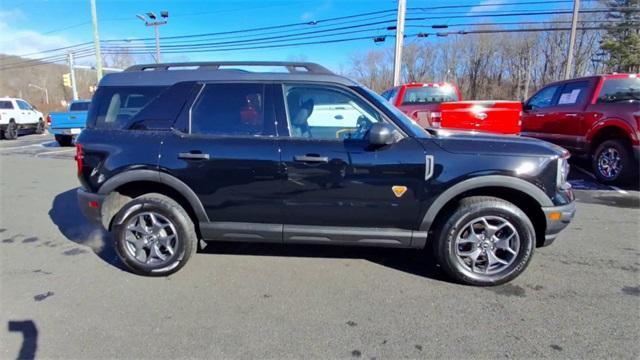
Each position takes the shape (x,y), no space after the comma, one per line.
(563,170)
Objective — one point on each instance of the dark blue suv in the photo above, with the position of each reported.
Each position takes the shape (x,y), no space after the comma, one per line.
(174,153)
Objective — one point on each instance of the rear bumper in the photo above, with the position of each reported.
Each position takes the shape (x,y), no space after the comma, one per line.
(65,131)
(558,218)
(91,205)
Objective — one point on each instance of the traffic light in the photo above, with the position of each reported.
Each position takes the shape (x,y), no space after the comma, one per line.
(66,79)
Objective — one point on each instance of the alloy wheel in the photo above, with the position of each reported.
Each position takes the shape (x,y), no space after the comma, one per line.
(151,238)
(487,245)
(609,162)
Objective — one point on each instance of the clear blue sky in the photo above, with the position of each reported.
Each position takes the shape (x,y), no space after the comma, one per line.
(38,25)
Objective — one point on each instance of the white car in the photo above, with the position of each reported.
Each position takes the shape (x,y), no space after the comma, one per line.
(17,114)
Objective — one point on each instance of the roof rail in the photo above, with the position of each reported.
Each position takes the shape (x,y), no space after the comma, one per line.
(292,67)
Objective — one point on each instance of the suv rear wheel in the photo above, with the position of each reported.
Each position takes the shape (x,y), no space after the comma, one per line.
(485,241)
(154,235)
(613,162)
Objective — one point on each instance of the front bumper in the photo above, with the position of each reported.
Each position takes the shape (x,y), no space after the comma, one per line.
(91,205)
(558,218)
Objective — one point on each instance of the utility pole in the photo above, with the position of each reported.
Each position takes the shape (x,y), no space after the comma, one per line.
(153,21)
(96,40)
(572,38)
(397,58)
(72,73)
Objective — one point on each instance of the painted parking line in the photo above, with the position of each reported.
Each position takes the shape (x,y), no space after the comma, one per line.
(54,152)
(619,190)
(20,147)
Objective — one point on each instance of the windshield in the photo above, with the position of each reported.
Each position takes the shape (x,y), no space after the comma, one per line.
(620,90)
(398,116)
(429,94)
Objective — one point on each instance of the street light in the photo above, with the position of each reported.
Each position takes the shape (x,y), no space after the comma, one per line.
(155,22)
(46,92)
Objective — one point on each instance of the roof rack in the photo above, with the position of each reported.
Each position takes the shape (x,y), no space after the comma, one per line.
(292,67)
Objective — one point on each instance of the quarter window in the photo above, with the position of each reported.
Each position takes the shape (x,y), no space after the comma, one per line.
(330,114)
(230,109)
(6,105)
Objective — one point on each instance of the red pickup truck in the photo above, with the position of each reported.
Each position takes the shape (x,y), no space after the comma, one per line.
(439,105)
(596,116)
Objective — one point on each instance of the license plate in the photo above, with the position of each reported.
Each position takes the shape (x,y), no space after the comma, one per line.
(75,131)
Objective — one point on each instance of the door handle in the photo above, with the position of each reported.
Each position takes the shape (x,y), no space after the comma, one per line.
(571,114)
(540,115)
(311,159)
(193,156)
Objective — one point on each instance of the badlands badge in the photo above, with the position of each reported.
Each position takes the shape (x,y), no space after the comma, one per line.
(399,190)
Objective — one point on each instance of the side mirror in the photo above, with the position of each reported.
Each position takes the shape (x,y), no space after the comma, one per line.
(381,134)
(526,107)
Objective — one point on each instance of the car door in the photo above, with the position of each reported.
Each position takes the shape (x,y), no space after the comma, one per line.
(23,113)
(339,188)
(537,112)
(564,125)
(224,148)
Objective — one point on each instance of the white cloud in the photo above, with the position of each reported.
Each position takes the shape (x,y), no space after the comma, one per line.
(17,41)
(483,6)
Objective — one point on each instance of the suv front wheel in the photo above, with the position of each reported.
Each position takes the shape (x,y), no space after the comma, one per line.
(485,241)
(154,235)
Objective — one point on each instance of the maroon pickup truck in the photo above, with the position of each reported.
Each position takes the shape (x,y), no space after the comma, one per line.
(597,117)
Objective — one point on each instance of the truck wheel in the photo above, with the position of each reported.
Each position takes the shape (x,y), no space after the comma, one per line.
(64,140)
(485,241)
(613,162)
(40,128)
(11,132)
(154,235)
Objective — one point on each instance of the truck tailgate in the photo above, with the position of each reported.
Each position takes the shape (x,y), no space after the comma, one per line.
(68,120)
(493,116)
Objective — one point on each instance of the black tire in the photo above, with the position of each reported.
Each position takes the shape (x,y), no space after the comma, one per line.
(473,208)
(628,165)
(64,140)
(172,211)
(11,131)
(40,128)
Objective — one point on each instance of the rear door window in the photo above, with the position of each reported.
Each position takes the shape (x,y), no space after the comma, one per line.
(6,105)
(231,110)
(573,93)
(620,90)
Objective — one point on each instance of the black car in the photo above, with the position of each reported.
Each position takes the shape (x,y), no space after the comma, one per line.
(174,153)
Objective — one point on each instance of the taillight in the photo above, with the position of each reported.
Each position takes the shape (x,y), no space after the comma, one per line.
(49,119)
(435,119)
(79,158)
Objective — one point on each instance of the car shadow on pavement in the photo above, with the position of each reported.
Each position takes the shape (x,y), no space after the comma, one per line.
(67,216)
(65,213)
(417,262)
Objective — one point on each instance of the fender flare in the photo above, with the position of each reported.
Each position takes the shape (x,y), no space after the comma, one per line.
(609,123)
(482,182)
(161,178)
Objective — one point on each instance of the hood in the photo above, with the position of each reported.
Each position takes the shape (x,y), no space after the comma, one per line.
(476,142)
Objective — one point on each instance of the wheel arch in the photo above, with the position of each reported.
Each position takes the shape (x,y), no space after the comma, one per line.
(607,130)
(529,198)
(125,186)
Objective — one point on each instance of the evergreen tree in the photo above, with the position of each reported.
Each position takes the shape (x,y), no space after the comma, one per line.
(622,39)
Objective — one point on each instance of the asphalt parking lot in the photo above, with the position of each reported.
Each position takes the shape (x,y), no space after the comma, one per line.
(63,293)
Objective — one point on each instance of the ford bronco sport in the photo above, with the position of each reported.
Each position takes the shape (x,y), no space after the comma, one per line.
(174,153)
